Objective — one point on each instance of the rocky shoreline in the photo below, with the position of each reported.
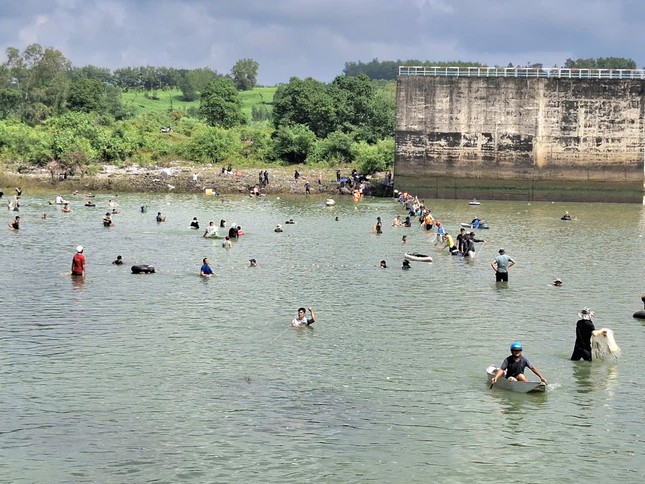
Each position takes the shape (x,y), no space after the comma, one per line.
(179,178)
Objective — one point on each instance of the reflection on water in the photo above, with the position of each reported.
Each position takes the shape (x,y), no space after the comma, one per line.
(171,377)
(582,376)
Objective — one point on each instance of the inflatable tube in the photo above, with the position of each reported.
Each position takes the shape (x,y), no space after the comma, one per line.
(143,269)
(417,257)
(639,314)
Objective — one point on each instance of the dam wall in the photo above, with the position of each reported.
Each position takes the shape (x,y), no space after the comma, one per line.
(521,131)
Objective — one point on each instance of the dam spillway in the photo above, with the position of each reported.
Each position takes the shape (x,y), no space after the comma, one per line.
(551,134)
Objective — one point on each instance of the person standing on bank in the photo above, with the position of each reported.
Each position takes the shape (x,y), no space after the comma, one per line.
(501,265)
(301,318)
(78,262)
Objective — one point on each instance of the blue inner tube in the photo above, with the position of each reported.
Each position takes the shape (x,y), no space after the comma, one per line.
(143,269)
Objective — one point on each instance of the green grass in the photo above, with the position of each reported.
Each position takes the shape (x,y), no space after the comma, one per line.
(171,100)
(256,96)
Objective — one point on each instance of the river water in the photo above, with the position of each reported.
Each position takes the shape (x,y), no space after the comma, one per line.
(169,377)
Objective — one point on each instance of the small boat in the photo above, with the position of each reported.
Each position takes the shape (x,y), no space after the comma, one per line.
(417,257)
(480,226)
(474,201)
(514,386)
(330,202)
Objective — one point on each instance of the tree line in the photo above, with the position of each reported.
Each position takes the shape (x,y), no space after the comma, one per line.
(73,118)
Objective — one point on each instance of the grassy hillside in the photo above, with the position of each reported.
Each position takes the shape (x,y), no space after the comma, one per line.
(171,100)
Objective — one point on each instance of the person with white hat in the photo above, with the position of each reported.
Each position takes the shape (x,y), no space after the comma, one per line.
(584,329)
(78,262)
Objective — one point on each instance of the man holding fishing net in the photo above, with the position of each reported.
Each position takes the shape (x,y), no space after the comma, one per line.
(587,336)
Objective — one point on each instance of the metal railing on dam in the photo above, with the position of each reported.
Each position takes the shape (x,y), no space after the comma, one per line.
(523,72)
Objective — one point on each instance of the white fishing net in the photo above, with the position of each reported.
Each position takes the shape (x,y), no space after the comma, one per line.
(603,344)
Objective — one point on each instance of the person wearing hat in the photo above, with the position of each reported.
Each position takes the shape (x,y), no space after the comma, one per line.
(501,265)
(584,329)
(557,282)
(513,366)
(441,231)
(278,228)
(78,262)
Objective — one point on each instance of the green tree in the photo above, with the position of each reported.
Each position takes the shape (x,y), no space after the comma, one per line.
(305,102)
(389,70)
(193,82)
(211,144)
(220,104)
(360,110)
(601,63)
(42,78)
(244,74)
(371,158)
(293,143)
(10,97)
(86,95)
(102,74)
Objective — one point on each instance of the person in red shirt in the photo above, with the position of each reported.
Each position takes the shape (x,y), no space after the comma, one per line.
(78,262)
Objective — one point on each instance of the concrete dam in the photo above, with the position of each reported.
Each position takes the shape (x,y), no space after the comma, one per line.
(506,133)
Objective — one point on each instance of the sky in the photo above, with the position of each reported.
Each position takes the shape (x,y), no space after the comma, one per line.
(315,38)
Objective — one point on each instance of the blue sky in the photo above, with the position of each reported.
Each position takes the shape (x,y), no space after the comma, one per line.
(315,38)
